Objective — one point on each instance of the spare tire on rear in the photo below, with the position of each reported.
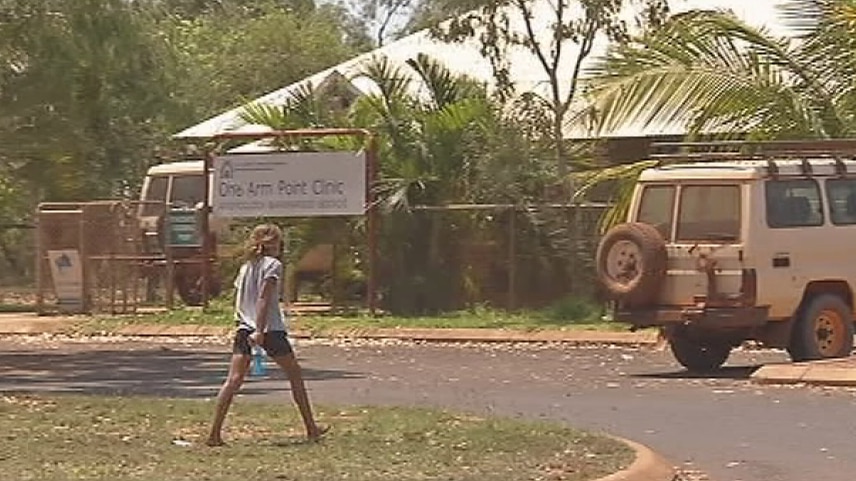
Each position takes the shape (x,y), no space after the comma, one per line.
(631,263)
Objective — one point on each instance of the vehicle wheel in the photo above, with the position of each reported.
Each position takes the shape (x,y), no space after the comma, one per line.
(188,282)
(189,289)
(823,330)
(631,262)
(699,357)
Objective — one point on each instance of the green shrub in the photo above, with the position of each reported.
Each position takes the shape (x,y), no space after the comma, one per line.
(574,309)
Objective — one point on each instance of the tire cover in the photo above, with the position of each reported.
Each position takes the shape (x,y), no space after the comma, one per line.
(631,263)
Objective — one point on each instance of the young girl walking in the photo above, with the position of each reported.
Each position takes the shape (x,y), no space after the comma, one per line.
(260,322)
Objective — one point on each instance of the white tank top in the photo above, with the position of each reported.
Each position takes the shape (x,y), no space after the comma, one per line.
(249,284)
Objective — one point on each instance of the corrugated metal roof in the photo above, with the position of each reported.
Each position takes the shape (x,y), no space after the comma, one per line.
(465,59)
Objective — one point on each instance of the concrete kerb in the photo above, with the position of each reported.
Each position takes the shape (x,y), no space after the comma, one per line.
(450,335)
(832,372)
(647,466)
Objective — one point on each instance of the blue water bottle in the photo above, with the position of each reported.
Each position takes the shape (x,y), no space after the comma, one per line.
(258,367)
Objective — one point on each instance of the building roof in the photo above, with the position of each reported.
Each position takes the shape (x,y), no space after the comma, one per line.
(465,59)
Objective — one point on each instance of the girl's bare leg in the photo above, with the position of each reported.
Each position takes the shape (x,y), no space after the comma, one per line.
(289,365)
(237,372)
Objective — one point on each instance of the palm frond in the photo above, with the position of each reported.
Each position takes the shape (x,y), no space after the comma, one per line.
(391,80)
(265,114)
(458,116)
(624,179)
(442,86)
(829,45)
(710,71)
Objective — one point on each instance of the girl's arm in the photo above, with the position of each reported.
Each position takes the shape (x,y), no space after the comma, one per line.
(267,296)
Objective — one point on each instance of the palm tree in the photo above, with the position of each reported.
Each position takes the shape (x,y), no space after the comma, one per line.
(429,119)
(714,74)
(444,141)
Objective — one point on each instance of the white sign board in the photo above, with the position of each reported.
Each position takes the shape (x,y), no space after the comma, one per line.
(67,275)
(289,184)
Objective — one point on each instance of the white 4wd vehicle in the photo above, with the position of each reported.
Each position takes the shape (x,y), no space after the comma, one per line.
(717,253)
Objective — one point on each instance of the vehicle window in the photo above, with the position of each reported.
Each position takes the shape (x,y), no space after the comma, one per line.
(793,203)
(187,190)
(155,191)
(656,208)
(841,195)
(709,213)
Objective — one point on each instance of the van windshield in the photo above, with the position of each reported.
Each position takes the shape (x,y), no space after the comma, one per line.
(187,190)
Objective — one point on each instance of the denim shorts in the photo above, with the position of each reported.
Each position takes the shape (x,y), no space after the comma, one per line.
(275,343)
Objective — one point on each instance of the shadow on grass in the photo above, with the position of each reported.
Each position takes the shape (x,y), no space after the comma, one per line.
(166,373)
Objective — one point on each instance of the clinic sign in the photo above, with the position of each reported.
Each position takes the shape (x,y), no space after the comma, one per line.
(289,184)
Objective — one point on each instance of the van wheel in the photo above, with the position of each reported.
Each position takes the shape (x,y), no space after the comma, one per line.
(697,356)
(188,282)
(823,330)
(631,263)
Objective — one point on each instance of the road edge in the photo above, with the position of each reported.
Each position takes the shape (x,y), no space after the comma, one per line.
(647,466)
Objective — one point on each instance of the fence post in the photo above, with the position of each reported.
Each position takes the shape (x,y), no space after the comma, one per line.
(84,261)
(170,260)
(40,296)
(512,259)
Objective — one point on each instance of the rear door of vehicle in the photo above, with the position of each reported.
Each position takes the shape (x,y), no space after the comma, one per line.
(703,226)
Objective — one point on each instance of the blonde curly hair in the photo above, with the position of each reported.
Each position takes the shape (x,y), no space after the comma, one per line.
(261,236)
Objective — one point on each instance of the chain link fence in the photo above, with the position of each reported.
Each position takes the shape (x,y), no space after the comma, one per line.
(430,260)
(502,256)
(17,261)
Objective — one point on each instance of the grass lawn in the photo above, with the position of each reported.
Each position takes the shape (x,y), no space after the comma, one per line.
(15,308)
(123,438)
(567,316)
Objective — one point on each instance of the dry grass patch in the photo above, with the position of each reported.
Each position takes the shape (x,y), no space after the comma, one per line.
(125,438)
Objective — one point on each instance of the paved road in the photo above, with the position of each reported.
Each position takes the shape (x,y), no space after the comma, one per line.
(724,425)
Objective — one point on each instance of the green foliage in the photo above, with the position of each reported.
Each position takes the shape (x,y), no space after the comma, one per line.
(16,241)
(574,310)
(92,89)
(443,141)
(85,96)
(230,57)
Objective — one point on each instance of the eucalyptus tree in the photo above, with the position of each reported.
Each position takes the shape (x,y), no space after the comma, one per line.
(227,57)
(382,16)
(190,9)
(715,74)
(85,94)
(560,34)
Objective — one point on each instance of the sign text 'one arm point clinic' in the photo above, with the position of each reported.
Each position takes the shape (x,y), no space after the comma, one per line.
(289,184)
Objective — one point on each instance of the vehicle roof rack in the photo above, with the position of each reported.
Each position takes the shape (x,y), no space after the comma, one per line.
(805,165)
(840,167)
(772,168)
(754,150)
